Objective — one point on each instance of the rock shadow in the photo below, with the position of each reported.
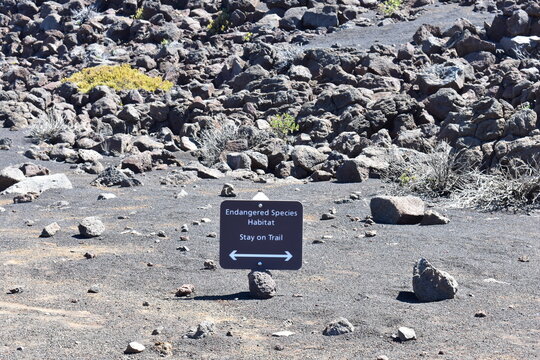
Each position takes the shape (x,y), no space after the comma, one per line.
(244,295)
(408,297)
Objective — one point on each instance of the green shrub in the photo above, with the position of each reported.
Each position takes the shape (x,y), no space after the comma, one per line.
(138,13)
(248,37)
(220,24)
(118,77)
(283,124)
(389,7)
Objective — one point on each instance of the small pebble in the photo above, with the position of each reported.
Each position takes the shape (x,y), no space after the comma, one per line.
(210,265)
(134,348)
(406,334)
(185,290)
(182,248)
(93,289)
(370,233)
(480,314)
(327,216)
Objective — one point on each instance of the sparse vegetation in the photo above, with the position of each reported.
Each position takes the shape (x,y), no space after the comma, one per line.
(118,77)
(283,125)
(440,173)
(389,7)
(248,37)
(220,24)
(84,14)
(514,188)
(436,173)
(138,13)
(48,127)
(214,141)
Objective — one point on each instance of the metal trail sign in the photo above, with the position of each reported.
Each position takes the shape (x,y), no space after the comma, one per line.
(261,235)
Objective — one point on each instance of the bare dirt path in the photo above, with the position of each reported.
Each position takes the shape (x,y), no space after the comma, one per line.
(440,15)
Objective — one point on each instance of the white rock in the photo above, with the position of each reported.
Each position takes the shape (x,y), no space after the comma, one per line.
(89,155)
(10,176)
(406,333)
(134,348)
(38,184)
(283,333)
(186,144)
(106,196)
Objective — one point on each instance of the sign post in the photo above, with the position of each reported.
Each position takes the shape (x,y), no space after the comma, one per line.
(261,235)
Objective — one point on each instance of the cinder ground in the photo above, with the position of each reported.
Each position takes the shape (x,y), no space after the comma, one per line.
(401,32)
(366,280)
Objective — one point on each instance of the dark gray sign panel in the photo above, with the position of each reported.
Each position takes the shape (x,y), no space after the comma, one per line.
(261,235)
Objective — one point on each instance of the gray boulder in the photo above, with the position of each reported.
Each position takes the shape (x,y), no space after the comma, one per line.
(322,16)
(307,157)
(518,23)
(203,330)
(238,160)
(431,217)
(431,284)
(397,209)
(50,230)
(352,170)
(444,101)
(440,76)
(261,285)
(522,122)
(111,176)
(339,326)
(91,227)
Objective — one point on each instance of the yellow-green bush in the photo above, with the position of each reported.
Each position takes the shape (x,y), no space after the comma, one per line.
(118,77)
(220,24)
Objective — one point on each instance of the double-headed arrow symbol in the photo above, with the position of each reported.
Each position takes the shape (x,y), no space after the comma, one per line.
(287,256)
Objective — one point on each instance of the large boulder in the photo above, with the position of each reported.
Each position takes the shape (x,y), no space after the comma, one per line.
(432,284)
(322,16)
(261,285)
(352,170)
(440,76)
(307,157)
(397,209)
(39,184)
(444,101)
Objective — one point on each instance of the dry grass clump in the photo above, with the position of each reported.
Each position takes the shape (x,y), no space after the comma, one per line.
(118,77)
(214,141)
(506,188)
(440,173)
(49,127)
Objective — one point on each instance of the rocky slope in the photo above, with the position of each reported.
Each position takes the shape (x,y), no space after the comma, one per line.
(477,88)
